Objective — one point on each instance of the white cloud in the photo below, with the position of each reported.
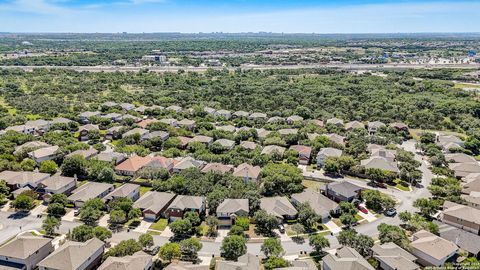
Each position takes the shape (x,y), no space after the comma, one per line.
(34,6)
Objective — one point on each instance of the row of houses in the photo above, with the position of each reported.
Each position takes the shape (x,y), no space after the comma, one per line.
(29,252)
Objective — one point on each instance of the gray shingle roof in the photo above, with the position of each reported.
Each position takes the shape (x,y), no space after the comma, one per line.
(23,246)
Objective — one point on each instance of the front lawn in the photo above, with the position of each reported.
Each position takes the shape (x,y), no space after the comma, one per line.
(144,190)
(160,225)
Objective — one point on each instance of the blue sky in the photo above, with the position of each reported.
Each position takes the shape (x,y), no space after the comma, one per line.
(191,16)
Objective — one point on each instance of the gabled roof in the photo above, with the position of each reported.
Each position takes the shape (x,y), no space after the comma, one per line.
(317,122)
(459,158)
(233,206)
(302,149)
(465,240)
(160,162)
(346,259)
(344,188)
(188,162)
(60,120)
(375,124)
(275,119)
(335,121)
(463,169)
(22,178)
(31,145)
(174,108)
(335,138)
(202,139)
(241,114)
(244,262)
(133,164)
(57,182)
(227,128)
(287,131)
(122,191)
(270,149)
(225,143)
(319,203)
(186,122)
(89,190)
(88,127)
(155,134)
(183,202)
(330,152)
(110,156)
(182,265)
(381,163)
(354,125)
(248,145)
(84,153)
(461,212)
(246,170)
(223,112)
(432,245)
(262,133)
(72,255)
(278,206)
(89,114)
(23,246)
(154,201)
(295,118)
(394,256)
(139,260)
(44,152)
(217,167)
(145,122)
(258,115)
(140,131)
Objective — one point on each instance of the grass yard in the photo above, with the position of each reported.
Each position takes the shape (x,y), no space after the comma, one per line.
(160,225)
(315,185)
(153,232)
(203,229)
(467,85)
(399,185)
(416,133)
(144,190)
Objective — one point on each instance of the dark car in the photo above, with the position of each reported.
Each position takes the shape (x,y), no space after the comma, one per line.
(390,212)
(281,228)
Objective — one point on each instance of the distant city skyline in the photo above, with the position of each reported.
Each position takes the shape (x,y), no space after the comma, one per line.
(233,16)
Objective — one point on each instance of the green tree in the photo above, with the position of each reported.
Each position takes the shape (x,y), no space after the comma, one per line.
(272,247)
(56,209)
(318,242)
(90,215)
(181,227)
(307,216)
(281,179)
(427,206)
(212,223)
(102,233)
(146,240)
(48,166)
(22,203)
(81,233)
(74,165)
(233,247)
(193,217)
(50,224)
(377,201)
(28,164)
(298,229)
(124,248)
(134,213)
(59,198)
(106,175)
(117,217)
(189,248)
(243,222)
(392,233)
(265,222)
(170,251)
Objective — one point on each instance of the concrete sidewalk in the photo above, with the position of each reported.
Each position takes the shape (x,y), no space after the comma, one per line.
(333,227)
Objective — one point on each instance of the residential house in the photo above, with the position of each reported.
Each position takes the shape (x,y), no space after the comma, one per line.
(217,168)
(392,257)
(30,146)
(431,250)
(20,179)
(111,157)
(182,204)
(127,190)
(153,204)
(342,191)
(183,265)
(210,111)
(225,143)
(463,169)
(127,106)
(294,119)
(287,131)
(174,108)
(466,241)
(60,120)
(114,117)
(459,158)
(273,149)
(399,126)
(322,205)
(229,209)
(316,122)
(304,153)
(170,121)
(22,129)
(227,128)
(374,126)
(446,142)
(262,133)
(75,256)
(472,199)
(187,163)
(140,131)
(90,190)
(109,104)
(141,109)
(56,184)
(275,120)
(245,262)
(114,133)
(389,155)
(43,154)
(138,261)
(85,130)
(354,125)
(224,113)
(187,124)
(280,207)
(40,125)
(24,252)
(162,135)
(184,141)
(301,264)
(203,139)
(248,145)
(86,154)
(335,121)
(325,153)
(346,258)
(312,136)
(85,116)
(461,216)
(160,162)
(132,165)
(338,139)
(240,114)
(247,172)
(377,162)
(258,116)
(145,122)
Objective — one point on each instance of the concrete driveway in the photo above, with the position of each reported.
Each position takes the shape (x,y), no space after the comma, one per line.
(143,227)
(70,216)
(39,209)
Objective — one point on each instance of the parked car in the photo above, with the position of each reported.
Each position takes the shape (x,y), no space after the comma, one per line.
(76,212)
(281,228)
(362,209)
(381,185)
(390,212)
